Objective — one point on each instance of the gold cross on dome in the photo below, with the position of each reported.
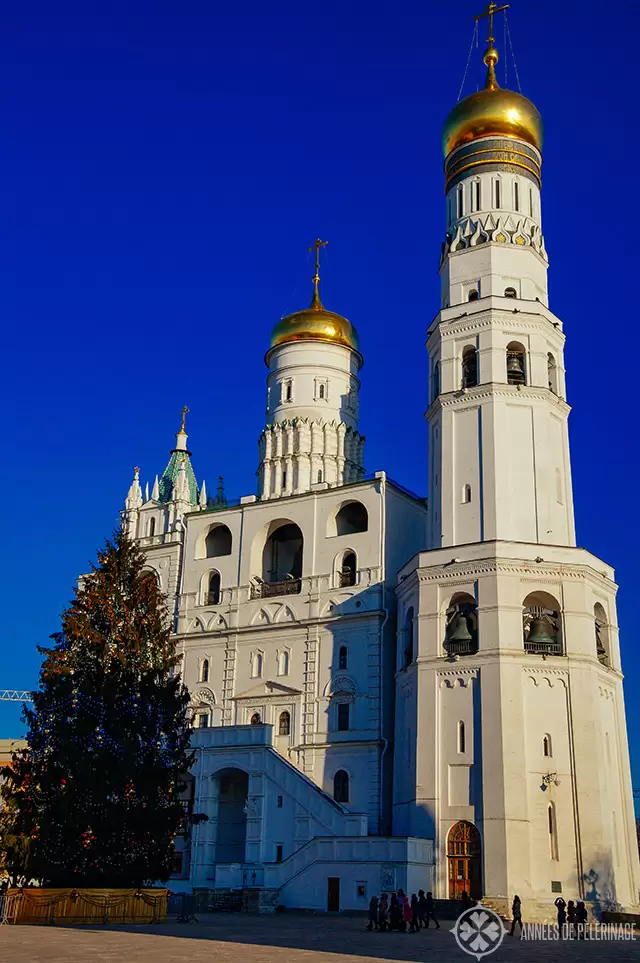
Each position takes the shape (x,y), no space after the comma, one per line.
(489,12)
(317,244)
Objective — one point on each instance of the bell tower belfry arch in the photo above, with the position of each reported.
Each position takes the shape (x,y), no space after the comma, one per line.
(515,684)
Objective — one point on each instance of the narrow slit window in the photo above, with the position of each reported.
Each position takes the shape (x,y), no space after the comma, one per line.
(530,202)
(497,190)
(516,195)
(460,201)
(461,737)
(321,391)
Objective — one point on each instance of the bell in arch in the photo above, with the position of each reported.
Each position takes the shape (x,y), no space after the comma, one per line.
(539,631)
(458,629)
(515,371)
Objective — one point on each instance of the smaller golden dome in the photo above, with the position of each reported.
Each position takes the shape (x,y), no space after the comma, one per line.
(492,111)
(315,323)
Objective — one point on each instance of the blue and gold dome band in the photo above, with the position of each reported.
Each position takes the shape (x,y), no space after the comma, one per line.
(508,154)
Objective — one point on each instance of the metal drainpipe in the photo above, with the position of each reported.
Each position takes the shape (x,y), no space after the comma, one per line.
(385,741)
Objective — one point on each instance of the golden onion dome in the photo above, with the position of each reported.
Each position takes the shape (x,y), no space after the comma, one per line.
(492,111)
(315,323)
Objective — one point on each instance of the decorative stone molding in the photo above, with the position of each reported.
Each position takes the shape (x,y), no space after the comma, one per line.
(340,685)
(471,232)
(203,696)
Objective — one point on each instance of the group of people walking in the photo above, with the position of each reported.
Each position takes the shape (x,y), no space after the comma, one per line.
(401,913)
(572,917)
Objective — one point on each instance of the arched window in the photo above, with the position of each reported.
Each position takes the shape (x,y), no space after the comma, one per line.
(204,671)
(408,637)
(341,786)
(546,746)
(435,381)
(321,391)
(510,293)
(602,634)
(256,665)
(516,371)
(469,367)
(152,526)
(213,589)
(282,560)
(541,625)
(461,634)
(283,662)
(553,831)
(319,475)
(348,570)
(530,202)
(552,374)
(256,720)
(496,191)
(351,519)
(459,201)
(288,390)
(342,657)
(218,542)
(284,724)
(461,737)
(473,295)
(466,494)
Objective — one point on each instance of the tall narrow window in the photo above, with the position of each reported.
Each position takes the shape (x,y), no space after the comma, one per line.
(256,665)
(321,391)
(516,195)
(552,373)
(213,590)
(288,391)
(279,850)
(497,192)
(204,671)
(435,382)
(319,475)
(531,202)
(559,494)
(466,494)
(546,746)
(152,526)
(284,724)
(475,195)
(461,738)
(460,201)
(348,571)
(343,716)
(202,722)
(469,367)
(342,657)
(284,479)
(341,786)
(283,663)
(553,831)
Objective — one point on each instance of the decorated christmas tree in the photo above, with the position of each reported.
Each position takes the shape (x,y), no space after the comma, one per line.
(94,799)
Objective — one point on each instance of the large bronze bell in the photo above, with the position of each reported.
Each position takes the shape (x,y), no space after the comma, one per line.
(515,373)
(539,631)
(458,629)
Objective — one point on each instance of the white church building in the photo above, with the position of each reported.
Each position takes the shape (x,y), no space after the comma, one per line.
(388,692)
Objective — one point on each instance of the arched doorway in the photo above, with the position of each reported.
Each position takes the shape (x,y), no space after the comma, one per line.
(463,857)
(233,788)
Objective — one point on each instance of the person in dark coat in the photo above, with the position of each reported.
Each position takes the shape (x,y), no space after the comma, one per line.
(431,910)
(422,907)
(467,902)
(516,913)
(415,914)
(581,920)
(571,916)
(383,913)
(373,913)
(561,907)
(395,913)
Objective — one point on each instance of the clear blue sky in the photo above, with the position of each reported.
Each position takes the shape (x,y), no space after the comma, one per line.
(164,167)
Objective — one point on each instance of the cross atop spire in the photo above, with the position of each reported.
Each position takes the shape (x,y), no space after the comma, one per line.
(491,54)
(317,245)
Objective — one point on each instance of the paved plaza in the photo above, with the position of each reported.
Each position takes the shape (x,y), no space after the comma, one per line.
(286,938)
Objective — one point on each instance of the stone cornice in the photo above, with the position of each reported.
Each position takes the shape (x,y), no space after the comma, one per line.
(498,390)
(531,571)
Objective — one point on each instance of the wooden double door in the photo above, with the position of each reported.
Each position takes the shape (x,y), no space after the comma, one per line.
(463,858)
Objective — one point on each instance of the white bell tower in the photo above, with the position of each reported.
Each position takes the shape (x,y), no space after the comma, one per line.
(499,448)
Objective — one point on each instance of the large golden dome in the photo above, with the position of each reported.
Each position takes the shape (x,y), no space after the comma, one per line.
(492,111)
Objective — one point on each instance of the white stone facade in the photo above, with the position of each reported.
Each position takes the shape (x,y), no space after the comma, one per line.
(386,694)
